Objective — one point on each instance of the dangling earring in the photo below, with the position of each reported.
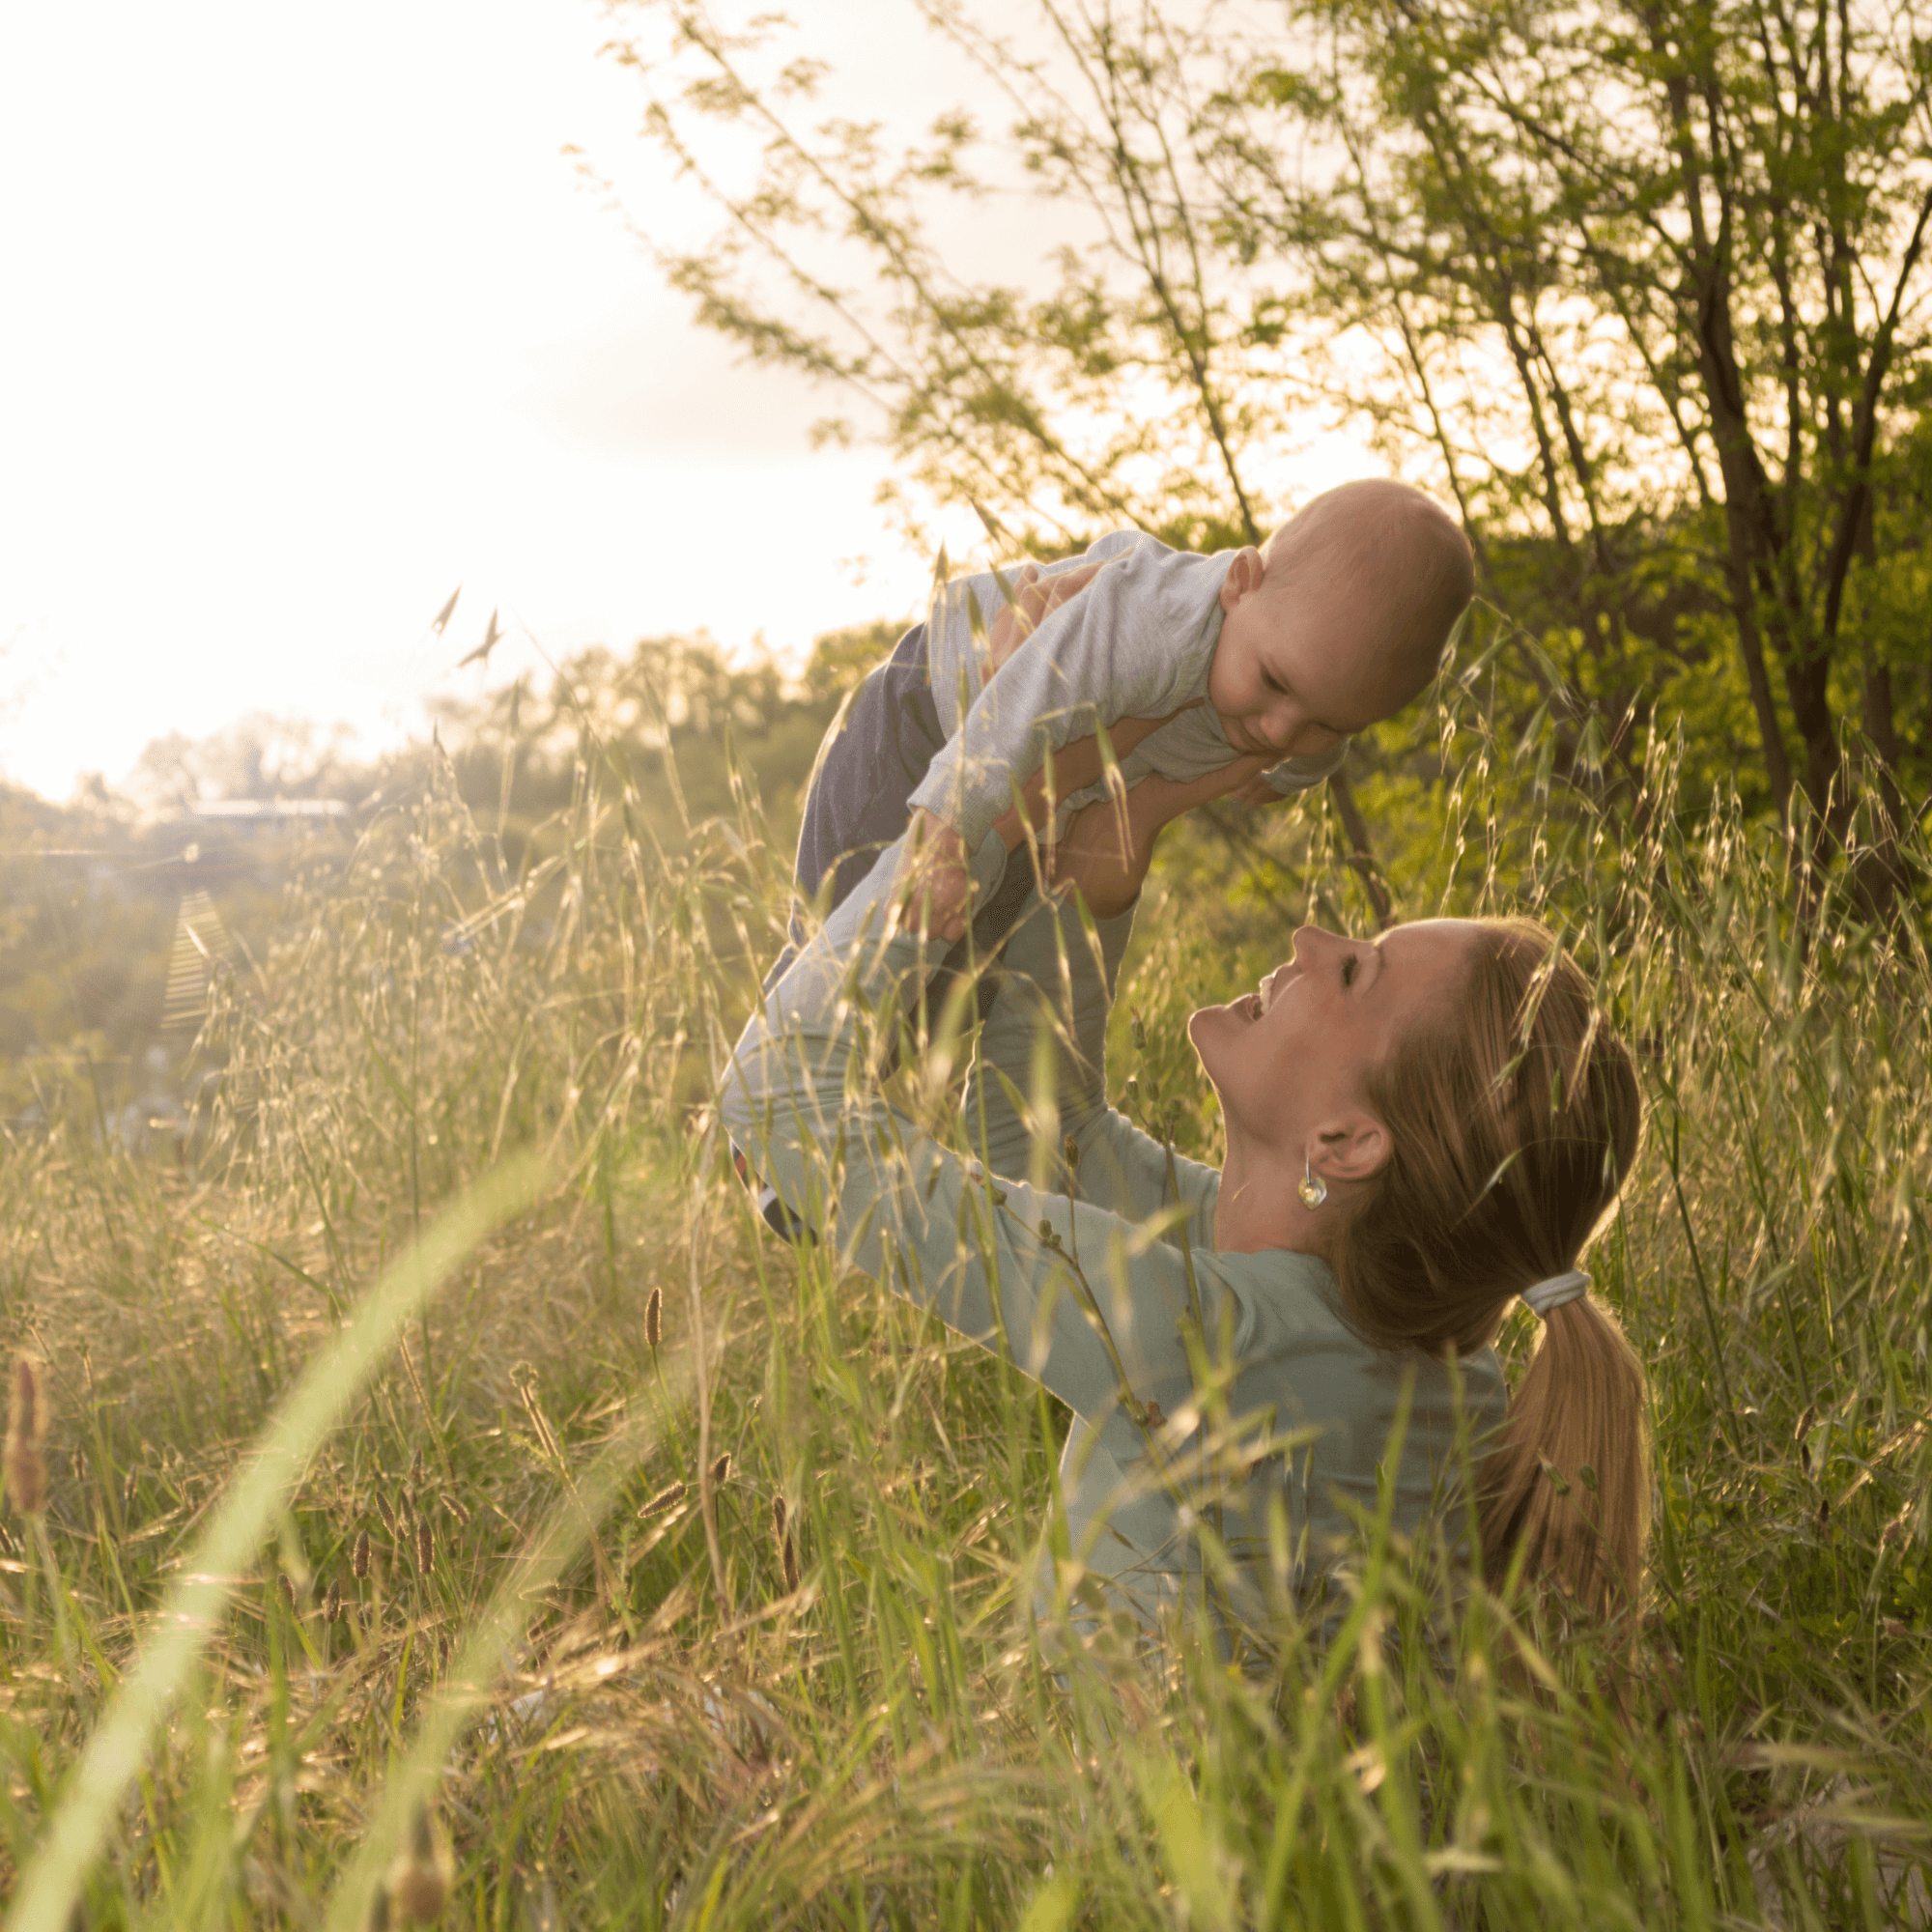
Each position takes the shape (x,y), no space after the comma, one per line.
(1312,1188)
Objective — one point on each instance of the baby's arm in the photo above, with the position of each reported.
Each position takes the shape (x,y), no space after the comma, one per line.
(1136,642)
(971,629)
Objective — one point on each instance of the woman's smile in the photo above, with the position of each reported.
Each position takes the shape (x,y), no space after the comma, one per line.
(1253,1006)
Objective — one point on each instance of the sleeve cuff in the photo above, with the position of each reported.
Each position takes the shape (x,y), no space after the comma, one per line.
(1294,775)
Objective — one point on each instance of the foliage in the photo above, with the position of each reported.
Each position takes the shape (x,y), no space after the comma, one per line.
(1638,287)
(626,1713)
(94,892)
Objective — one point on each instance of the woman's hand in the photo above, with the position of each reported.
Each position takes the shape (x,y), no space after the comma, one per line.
(1105,851)
(1034,599)
(1106,848)
(935,884)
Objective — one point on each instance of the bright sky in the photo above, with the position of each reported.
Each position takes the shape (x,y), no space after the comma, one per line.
(308,320)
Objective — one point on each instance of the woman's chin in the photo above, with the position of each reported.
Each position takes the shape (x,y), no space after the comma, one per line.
(1209,1027)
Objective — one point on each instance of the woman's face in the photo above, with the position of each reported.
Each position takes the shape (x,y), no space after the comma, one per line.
(1290,1061)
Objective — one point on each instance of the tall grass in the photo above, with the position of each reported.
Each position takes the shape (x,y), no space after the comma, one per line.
(579,1650)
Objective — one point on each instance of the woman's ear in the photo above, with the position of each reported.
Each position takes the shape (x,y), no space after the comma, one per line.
(1357,1147)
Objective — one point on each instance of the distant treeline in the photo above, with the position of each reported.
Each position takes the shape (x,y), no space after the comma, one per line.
(90,910)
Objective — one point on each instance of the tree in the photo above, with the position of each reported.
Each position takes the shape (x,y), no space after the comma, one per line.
(1692,236)
(1638,285)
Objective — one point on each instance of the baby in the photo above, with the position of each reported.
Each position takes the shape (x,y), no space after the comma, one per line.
(1283,652)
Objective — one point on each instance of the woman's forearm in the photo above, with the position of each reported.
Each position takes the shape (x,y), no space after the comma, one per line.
(994,1261)
(1106,849)
(787,1087)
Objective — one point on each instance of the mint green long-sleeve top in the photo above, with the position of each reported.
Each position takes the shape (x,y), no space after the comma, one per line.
(1110,1295)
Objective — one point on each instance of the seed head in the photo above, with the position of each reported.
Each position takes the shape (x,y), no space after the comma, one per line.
(286,1590)
(1072,1153)
(425,1544)
(383,1511)
(419,1880)
(720,1470)
(654,1319)
(26,1431)
(360,1561)
(331,1604)
(787,1543)
(665,1499)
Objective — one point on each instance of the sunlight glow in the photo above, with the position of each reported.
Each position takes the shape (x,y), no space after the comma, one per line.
(311,322)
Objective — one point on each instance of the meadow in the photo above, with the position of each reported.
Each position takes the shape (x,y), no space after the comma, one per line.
(448,1501)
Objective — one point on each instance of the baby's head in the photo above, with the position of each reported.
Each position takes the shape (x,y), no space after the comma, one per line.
(1340,621)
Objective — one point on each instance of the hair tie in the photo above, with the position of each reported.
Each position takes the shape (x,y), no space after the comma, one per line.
(1543,1295)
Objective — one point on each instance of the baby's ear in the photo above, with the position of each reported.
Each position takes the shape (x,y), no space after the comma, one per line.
(1244,574)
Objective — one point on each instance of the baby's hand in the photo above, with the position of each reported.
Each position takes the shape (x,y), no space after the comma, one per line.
(935,885)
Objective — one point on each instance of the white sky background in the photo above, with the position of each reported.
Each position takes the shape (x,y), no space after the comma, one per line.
(308,319)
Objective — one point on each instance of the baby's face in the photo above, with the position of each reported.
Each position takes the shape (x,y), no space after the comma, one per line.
(1293,674)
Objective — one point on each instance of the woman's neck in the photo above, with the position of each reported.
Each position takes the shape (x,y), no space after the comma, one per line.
(1257,1209)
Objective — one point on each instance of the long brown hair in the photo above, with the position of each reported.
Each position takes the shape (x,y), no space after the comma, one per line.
(1513,1127)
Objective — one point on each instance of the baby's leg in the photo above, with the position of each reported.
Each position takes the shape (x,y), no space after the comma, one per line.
(855,806)
(867,771)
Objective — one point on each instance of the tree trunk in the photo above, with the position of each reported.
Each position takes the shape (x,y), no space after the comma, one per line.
(1750,647)
(1804,684)
(1361,855)
(1882,870)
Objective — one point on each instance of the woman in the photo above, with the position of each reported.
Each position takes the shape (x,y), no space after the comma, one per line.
(1419,1130)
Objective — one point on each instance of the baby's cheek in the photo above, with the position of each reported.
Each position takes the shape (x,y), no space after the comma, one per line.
(1229,679)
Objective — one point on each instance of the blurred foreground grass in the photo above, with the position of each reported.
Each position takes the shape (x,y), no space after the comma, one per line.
(734,1630)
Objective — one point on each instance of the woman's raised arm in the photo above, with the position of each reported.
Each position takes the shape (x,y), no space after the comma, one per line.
(1013,1267)
(1039,1078)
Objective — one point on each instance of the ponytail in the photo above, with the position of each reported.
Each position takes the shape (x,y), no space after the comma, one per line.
(1511,1128)
(1571,1484)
